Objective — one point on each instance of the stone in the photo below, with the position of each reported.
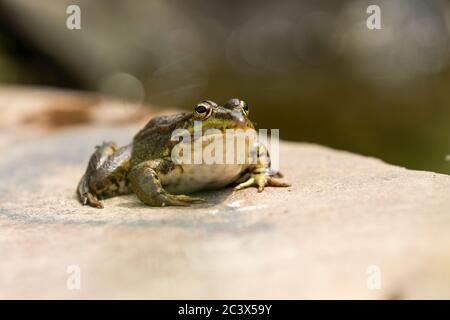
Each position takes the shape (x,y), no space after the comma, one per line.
(347,221)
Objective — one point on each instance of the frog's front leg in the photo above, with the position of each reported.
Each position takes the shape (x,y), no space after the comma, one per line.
(261,175)
(147,186)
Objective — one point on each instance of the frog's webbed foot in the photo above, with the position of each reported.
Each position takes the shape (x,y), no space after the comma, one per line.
(147,187)
(262,175)
(261,180)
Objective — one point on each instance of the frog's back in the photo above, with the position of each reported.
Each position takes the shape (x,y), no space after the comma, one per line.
(154,140)
(161,124)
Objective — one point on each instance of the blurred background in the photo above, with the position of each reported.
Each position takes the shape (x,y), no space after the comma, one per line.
(310,68)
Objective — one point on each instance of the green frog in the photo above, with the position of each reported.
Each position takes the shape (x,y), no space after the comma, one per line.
(147,168)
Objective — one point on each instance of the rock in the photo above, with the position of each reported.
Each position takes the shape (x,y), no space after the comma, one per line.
(345,218)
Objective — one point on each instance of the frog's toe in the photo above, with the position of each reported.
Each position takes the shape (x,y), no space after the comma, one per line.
(245,184)
(189,199)
(260,181)
(172,201)
(91,200)
(271,182)
(177,200)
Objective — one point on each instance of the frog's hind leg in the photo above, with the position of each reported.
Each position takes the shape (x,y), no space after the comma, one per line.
(147,186)
(105,174)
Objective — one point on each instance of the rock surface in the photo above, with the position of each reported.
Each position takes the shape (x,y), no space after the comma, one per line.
(344,217)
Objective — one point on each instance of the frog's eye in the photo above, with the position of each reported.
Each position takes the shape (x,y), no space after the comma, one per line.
(244,107)
(202,111)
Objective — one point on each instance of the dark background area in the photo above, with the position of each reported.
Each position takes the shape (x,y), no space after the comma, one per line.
(310,68)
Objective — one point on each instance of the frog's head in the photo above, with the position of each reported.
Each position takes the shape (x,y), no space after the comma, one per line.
(217,125)
(232,115)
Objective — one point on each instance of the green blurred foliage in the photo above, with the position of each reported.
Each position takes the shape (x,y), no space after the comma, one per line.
(310,68)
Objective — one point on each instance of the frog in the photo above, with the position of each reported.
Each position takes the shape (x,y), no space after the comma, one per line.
(147,168)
